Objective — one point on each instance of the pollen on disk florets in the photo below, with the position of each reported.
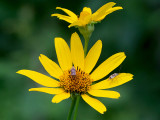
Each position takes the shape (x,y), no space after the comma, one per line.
(79,82)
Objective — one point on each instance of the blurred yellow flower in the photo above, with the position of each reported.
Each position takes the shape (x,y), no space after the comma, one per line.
(86,16)
(73,74)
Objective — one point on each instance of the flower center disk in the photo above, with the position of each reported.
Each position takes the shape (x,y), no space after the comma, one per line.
(75,80)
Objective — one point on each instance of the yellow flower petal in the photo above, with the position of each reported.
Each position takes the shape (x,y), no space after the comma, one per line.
(87,9)
(92,56)
(59,97)
(85,18)
(64,17)
(77,51)
(108,12)
(94,103)
(48,90)
(101,11)
(107,66)
(39,78)
(104,93)
(70,13)
(105,7)
(76,23)
(116,81)
(51,67)
(63,54)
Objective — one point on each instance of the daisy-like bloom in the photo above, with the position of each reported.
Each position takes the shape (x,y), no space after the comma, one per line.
(86,16)
(73,74)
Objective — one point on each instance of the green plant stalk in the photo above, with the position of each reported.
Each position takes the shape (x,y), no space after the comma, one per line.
(86,31)
(71,108)
(86,46)
(76,109)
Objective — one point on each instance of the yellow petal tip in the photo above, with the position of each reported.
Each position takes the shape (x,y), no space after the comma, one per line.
(58,7)
(130,75)
(20,72)
(75,34)
(112,2)
(70,26)
(55,101)
(118,96)
(53,15)
(100,41)
(56,38)
(41,55)
(104,111)
(122,53)
(29,89)
(120,8)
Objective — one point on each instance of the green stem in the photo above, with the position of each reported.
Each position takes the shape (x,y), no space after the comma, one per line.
(86,31)
(71,108)
(76,109)
(86,46)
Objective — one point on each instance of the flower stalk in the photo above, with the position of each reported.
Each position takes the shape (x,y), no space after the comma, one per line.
(76,109)
(72,107)
(86,31)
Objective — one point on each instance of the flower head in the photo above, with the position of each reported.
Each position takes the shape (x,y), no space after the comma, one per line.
(86,17)
(73,74)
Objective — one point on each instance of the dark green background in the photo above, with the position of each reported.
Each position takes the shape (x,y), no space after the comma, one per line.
(27,30)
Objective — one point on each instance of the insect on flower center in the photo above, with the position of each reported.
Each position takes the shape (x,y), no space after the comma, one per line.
(75,80)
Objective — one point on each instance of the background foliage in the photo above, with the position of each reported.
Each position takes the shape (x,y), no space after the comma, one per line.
(27,30)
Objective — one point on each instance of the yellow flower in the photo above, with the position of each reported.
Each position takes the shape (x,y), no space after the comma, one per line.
(78,79)
(86,16)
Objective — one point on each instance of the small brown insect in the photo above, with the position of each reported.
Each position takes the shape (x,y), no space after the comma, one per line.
(113,75)
(73,71)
